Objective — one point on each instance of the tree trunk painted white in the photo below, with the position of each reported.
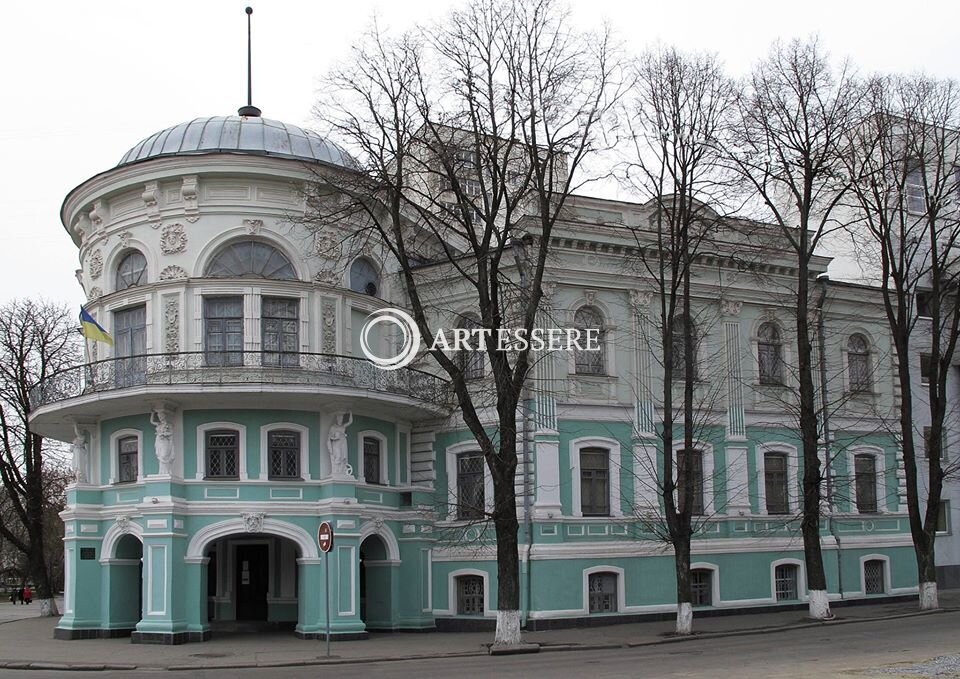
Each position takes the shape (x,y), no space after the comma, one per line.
(929,597)
(685,619)
(820,605)
(48,608)
(508,628)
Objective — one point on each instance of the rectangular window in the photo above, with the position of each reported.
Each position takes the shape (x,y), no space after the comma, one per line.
(469,595)
(603,592)
(865,471)
(916,200)
(130,345)
(128,450)
(923,304)
(222,452)
(786,582)
(696,482)
(701,581)
(470,490)
(284,454)
(371,460)
(873,580)
(280,329)
(775,483)
(595,482)
(223,330)
(925,368)
(943,517)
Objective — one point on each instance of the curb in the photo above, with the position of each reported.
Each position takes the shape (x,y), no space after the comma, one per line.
(524,648)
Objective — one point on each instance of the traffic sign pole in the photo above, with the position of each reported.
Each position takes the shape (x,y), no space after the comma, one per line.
(325,540)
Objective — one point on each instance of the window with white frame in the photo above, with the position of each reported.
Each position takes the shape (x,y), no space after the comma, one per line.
(696,481)
(769,354)
(131,271)
(589,362)
(372,460)
(874,579)
(223,330)
(130,345)
(858,363)
(865,482)
(701,587)
(470,360)
(916,194)
(469,594)
(250,259)
(787,582)
(280,331)
(470,486)
(602,592)
(678,353)
(128,452)
(943,517)
(776,483)
(364,277)
(284,449)
(595,481)
(221,451)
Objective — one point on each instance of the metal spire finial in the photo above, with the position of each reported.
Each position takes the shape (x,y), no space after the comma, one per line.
(249,110)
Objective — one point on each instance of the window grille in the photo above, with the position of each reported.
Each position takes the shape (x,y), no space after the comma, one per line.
(701,587)
(128,451)
(786,584)
(470,486)
(280,329)
(858,363)
(251,259)
(603,592)
(589,362)
(873,580)
(223,330)
(775,483)
(469,595)
(371,460)
(284,454)
(770,354)
(865,472)
(222,454)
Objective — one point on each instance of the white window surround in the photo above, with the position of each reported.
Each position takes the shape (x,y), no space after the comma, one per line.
(265,453)
(451,462)
(241,233)
(488,612)
(201,457)
(708,473)
(879,461)
(613,448)
(384,466)
(609,335)
(887,589)
(116,255)
(786,354)
(801,578)
(793,493)
(137,297)
(871,361)
(621,593)
(714,579)
(114,452)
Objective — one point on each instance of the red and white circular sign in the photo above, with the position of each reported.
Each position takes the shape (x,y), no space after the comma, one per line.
(325,536)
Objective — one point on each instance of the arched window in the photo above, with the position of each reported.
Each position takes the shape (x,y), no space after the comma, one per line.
(787,582)
(858,363)
(769,354)
(590,362)
(131,271)
(874,578)
(251,259)
(469,594)
(471,360)
(603,592)
(679,363)
(364,277)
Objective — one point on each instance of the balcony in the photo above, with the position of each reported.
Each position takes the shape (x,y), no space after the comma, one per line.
(241,379)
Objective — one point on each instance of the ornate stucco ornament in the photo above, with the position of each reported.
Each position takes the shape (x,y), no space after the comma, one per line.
(253,521)
(254,226)
(188,191)
(96,264)
(123,524)
(173,239)
(150,197)
(94,294)
(172,272)
(731,307)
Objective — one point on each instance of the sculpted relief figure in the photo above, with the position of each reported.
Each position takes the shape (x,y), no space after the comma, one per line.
(337,446)
(80,454)
(166,453)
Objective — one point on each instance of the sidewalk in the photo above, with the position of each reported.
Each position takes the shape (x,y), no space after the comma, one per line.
(29,644)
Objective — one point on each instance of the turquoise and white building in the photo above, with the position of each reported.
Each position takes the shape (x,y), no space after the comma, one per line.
(208,438)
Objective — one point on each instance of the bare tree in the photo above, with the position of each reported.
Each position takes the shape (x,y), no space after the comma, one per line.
(37,339)
(904,161)
(679,116)
(470,136)
(795,113)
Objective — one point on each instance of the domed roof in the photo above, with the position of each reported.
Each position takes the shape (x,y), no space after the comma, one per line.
(235,134)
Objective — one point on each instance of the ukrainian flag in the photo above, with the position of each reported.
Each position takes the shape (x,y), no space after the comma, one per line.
(90,329)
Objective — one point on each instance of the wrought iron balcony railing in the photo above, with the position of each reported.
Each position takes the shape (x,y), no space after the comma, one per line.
(215,368)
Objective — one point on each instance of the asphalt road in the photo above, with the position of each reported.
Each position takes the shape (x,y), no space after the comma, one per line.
(835,651)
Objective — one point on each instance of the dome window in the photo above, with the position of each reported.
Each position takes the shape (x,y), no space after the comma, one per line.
(364,277)
(131,271)
(251,259)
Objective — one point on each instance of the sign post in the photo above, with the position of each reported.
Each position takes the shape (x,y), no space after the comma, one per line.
(325,540)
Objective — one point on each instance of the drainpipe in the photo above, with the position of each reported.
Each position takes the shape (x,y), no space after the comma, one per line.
(519,248)
(823,279)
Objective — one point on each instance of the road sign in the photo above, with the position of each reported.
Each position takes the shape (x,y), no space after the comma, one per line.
(325,537)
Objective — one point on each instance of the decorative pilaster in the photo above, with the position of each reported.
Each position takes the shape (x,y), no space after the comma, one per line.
(544,373)
(644,409)
(736,419)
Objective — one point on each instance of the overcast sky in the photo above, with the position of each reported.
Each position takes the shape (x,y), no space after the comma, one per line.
(82,82)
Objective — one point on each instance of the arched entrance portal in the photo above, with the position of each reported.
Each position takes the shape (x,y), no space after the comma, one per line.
(125,584)
(376,584)
(252,578)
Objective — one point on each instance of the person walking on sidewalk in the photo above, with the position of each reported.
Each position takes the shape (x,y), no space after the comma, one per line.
(20,595)
(27,595)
